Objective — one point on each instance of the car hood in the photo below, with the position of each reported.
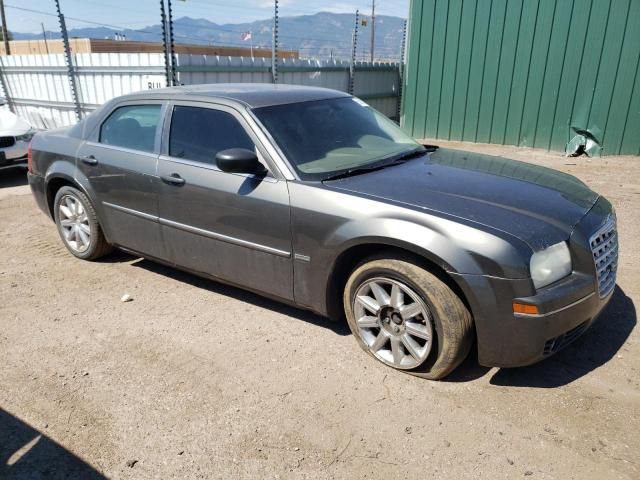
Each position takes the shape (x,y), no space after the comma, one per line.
(11,125)
(538,205)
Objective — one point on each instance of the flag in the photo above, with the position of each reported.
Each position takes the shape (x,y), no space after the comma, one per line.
(244,36)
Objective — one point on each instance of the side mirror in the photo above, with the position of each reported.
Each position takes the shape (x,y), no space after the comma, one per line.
(239,160)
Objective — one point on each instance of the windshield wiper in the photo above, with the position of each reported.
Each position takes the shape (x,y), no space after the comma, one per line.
(388,162)
(406,155)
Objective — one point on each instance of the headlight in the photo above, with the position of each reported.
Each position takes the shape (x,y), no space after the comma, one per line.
(550,264)
(26,137)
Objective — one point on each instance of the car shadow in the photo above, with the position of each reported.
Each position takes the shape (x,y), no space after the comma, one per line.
(27,453)
(592,350)
(338,327)
(597,346)
(13,177)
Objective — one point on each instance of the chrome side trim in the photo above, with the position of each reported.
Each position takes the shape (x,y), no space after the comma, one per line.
(561,309)
(121,149)
(131,211)
(224,238)
(200,231)
(302,258)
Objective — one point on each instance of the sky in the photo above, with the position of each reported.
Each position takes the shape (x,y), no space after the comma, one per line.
(141,13)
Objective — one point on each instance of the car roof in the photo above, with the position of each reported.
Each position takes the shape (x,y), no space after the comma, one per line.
(252,95)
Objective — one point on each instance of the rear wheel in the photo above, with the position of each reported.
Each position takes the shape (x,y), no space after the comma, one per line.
(78,225)
(407,318)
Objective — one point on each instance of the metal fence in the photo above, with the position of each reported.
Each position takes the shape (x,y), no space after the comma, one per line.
(525,72)
(38,89)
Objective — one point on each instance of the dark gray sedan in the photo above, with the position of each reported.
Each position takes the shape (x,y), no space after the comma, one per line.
(312,197)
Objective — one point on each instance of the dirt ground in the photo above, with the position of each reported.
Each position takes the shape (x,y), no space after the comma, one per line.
(193,379)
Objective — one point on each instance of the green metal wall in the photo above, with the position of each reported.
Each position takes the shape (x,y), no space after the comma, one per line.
(523,72)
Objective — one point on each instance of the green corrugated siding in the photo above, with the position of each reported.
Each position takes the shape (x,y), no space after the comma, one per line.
(522,72)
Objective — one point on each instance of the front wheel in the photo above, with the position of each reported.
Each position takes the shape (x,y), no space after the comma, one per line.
(407,318)
(78,225)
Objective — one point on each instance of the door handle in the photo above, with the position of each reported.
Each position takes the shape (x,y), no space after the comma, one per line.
(89,160)
(173,179)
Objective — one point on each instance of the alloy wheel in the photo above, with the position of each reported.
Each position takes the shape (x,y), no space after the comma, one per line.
(74,223)
(394,322)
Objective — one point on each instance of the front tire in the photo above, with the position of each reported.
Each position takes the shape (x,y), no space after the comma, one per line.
(407,318)
(78,224)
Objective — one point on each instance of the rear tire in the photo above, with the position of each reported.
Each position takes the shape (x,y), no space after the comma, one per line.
(415,322)
(78,224)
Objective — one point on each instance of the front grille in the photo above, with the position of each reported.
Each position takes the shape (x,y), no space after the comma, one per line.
(7,142)
(558,343)
(604,246)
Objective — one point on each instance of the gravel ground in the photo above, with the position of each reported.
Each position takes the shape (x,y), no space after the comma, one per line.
(193,379)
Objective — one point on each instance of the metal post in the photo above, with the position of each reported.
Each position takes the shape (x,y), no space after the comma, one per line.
(373,27)
(403,47)
(69,60)
(44,35)
(354,48)
(274,45)
(172,50)
(165,50)
(5,88)
(5,32)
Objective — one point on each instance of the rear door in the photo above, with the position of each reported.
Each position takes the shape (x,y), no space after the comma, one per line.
(233,226)
(120,160)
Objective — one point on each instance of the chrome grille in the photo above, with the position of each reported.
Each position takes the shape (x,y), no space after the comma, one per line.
(604,246)
(7,142)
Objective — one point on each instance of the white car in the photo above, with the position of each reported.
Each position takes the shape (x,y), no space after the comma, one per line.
(15,135)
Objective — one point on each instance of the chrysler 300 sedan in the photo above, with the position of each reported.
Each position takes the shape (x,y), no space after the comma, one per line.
(310,196)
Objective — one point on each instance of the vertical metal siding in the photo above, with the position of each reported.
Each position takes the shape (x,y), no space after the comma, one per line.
(523,72)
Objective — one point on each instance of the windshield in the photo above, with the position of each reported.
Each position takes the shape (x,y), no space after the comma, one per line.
(326,137)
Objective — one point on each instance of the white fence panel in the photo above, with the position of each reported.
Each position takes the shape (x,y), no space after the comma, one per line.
(38,85)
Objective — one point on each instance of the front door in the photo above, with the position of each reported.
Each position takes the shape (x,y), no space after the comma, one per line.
(235,227)
(120,161)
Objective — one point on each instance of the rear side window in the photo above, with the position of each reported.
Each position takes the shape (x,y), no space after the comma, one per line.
(133,126)
(200,133)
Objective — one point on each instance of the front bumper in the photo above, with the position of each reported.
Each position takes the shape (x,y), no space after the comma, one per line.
(566,311)
(506,339)
(566,308)
(14,156)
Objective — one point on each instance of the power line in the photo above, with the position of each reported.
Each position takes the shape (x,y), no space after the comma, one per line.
(311,48)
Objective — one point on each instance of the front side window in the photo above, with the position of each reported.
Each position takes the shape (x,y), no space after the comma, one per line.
(133,126)
(322,138)
(200,133)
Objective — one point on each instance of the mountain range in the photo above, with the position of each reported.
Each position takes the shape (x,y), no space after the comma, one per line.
(320,35)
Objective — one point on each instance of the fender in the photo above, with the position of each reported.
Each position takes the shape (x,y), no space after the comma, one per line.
(454,246)
(63,169)
(60,169)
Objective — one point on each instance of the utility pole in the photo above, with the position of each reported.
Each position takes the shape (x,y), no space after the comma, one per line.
(5,32)
(44,35)
(274,45)
(373,27)
(70,69)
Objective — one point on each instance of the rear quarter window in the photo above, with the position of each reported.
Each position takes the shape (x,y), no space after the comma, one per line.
(132,126)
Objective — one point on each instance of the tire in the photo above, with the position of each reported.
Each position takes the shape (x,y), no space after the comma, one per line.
(70,222)
(443,319)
